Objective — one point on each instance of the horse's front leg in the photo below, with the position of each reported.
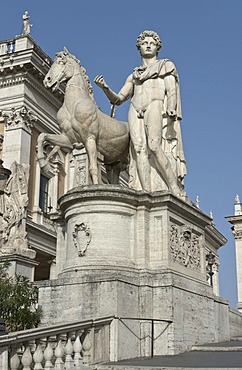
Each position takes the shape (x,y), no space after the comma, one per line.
(53,152)
(91,149)
(58,140)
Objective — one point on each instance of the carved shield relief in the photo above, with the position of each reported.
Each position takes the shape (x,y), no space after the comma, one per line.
(81,238)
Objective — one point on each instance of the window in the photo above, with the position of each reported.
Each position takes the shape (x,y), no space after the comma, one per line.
(43,193)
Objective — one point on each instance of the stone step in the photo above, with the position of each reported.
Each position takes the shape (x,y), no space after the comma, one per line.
(237,339)
(196,367)
(216,349)
(235,345)
(213,356)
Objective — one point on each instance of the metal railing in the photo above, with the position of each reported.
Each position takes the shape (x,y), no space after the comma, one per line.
(152,321)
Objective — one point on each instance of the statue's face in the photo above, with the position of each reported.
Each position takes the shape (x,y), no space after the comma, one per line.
(148,47)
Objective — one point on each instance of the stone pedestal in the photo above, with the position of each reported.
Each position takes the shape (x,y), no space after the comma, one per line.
(138,257)
(20,265)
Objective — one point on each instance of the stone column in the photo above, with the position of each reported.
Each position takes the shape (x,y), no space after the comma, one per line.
(238,252)
(236,221)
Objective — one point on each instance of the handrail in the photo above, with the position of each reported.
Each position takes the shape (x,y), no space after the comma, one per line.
(141,318)
(36,333)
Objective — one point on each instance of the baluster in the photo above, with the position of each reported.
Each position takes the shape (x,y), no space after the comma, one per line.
(48,355)
(11,47)
(68,352)
(26,358)
(3,49)
(86,347)
(14,359)
(59,353)
(77,347)
(38,356)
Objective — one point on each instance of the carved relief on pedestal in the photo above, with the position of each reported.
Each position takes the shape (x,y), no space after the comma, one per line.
(20,117)
(185,246)
(81,238)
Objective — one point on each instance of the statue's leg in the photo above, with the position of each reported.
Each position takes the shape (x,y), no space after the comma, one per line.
(153,123)
(60,141)
(91,149)
(53,152)
(113,172)
(139,141)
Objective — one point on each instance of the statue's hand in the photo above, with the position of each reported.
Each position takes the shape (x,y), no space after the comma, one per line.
(99,81)
(172,113)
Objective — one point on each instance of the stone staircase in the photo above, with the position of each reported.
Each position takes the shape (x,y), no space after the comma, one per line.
(213,356)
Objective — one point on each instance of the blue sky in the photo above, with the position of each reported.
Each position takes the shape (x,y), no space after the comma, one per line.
(204,40)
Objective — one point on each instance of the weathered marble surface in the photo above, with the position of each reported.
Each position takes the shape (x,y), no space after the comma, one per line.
(136,255)
(157,160)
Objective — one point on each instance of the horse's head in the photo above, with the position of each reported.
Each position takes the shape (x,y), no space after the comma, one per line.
(62,69)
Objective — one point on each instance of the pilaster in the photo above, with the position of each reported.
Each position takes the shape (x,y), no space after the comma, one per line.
(236,221)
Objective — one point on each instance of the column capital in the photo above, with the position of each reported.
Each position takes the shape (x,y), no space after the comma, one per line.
(19,117)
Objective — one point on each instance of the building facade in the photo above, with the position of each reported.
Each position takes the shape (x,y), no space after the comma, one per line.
(26,110)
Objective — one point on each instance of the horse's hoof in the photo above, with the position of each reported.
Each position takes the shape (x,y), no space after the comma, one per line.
(45,167)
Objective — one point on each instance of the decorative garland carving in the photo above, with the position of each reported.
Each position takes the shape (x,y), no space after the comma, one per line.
(81,238)
(185,247)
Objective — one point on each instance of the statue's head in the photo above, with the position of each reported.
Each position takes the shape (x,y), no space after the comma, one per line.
(152,34)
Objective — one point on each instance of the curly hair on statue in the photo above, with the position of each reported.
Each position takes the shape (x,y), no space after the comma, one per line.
(145,34)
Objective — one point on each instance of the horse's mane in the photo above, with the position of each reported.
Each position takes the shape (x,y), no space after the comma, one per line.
(83,70)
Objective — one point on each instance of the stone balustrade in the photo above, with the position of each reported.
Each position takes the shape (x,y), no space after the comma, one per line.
(58,347)
(7,47)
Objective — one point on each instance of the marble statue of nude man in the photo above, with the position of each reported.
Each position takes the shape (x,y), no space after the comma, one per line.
(154,119)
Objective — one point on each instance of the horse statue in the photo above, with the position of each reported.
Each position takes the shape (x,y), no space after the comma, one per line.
(82,123)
